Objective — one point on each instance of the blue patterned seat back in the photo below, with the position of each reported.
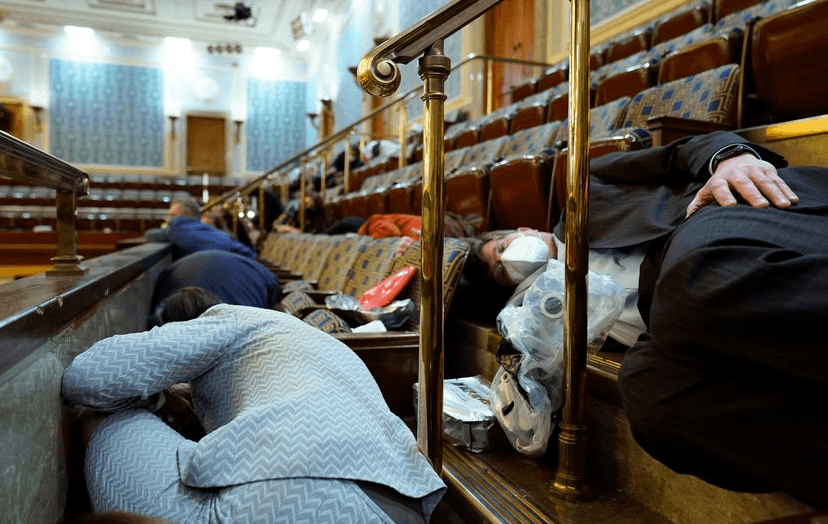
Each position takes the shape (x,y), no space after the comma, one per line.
(371,265)
(709,96)
(453,159)
(543,97)
(327,321)
(484,153)
(340,260)
(533,140)
(604,120)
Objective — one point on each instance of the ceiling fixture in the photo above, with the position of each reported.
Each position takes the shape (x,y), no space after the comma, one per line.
(224,48)
(239,13)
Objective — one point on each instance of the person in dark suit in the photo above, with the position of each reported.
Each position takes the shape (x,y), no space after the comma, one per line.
(728,381)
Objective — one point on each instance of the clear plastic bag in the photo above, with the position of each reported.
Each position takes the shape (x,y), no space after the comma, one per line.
(393,316)
(528,387)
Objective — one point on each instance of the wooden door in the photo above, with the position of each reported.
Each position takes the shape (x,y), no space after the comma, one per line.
(206,145)
(11,118)
(510,30)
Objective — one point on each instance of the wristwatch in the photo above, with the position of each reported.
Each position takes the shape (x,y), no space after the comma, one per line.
(730,151)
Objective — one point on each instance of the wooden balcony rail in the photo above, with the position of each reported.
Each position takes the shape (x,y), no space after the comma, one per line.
(25,163)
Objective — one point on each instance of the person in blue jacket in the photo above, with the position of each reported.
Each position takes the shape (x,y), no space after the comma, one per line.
(234,278)
(188,234)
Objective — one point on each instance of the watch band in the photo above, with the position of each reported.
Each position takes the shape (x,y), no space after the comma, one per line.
(730,151)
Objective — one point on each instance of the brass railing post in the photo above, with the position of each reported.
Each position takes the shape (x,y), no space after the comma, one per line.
(347,181)
(434,68)
(262,207)
(489,85)
(571,480)
(303,190)
(67,260)
(403,124)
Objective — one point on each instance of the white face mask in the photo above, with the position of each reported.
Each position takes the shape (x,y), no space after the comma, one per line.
(524,256)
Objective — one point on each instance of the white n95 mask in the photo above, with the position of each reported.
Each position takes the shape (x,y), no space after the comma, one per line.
(524,256)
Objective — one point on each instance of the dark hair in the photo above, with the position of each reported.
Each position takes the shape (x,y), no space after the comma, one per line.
(478,269)
(187,303)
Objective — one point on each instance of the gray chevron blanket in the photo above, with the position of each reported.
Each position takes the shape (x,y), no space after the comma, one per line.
(293,419)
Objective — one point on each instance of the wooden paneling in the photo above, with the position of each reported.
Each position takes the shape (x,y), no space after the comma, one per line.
(510,28)
(206,145)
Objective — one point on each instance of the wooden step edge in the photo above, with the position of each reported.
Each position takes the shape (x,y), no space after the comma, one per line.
(478,493)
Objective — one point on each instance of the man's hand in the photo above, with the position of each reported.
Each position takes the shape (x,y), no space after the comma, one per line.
(753,179)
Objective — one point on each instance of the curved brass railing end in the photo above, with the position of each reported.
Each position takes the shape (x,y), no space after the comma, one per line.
(377,74)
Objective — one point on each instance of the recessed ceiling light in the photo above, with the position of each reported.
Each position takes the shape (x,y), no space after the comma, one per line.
(74,30)
(302,45)
(320,15)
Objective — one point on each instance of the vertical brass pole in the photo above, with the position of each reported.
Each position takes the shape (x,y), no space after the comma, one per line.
(489,85)
(403,125)
(261,207)
(347,165)
(67,260)
(571,480)
(302,193)
(323,187)
(434,68)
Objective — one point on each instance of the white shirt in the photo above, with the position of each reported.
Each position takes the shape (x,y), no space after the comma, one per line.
(623,264)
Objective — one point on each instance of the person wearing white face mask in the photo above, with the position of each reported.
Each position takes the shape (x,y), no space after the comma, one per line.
(515,258)
(733,248)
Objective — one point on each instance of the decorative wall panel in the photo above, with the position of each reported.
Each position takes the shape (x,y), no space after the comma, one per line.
(275,126)
(410,13)
(606,9)
(106,114)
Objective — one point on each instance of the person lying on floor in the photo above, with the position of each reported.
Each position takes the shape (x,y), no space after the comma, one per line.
(296,428)
(727,381)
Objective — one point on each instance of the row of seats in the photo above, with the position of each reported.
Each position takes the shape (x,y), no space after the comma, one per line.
(348,264)
(500,165)
(507,180)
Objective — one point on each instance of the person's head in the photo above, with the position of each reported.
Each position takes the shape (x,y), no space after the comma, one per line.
(186,207)
(186,304)
(489,252)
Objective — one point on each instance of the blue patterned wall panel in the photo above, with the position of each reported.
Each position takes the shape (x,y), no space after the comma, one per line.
(606,9)
(276,112)
(106,114)
(350,51)
(410,13)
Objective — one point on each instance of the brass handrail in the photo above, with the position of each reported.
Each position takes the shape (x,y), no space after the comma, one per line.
(23,162)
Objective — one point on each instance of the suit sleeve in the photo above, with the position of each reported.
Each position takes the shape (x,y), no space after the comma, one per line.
(123,370)
(677,163)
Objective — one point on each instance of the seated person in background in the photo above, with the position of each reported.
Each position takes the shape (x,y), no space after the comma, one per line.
(410,227)
(728,382)
(296,429)
(235,279)
(188,234)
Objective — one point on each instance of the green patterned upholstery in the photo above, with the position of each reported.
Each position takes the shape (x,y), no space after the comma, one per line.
(296,301)
(372,264)
(335,273)
(327,321)
(455,253)
(709,96)
(319,255)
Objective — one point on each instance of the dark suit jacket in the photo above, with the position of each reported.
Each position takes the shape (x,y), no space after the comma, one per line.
(639,196)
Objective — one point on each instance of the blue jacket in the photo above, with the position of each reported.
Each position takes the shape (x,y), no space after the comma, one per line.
(236,279)
(188,235)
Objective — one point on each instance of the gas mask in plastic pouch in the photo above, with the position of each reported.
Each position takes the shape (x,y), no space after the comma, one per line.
(525,255)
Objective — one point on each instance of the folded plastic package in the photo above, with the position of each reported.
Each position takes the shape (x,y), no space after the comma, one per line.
(468,420)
